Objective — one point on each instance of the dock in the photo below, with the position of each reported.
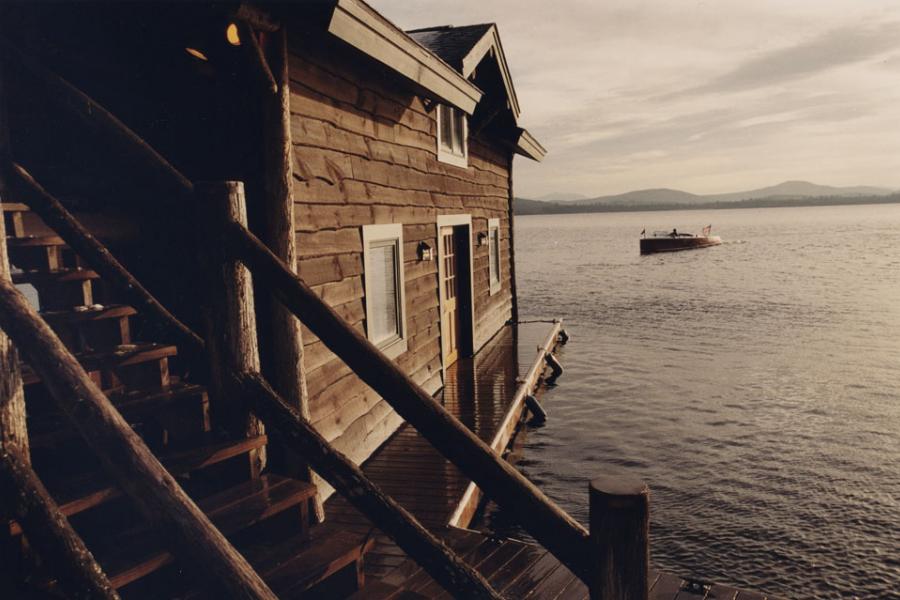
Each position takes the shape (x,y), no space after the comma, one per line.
(487,394)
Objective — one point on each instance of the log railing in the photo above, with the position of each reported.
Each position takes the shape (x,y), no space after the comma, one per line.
(124,455)
(550,525)
(24,497)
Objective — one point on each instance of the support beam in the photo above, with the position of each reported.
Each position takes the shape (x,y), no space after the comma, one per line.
(546,522)
(439,561)
(194,539)
(24,497)
(55,215)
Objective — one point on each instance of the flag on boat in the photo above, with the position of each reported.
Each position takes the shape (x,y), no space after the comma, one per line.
(706,230)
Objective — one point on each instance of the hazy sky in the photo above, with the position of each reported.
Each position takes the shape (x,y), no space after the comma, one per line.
(706,96)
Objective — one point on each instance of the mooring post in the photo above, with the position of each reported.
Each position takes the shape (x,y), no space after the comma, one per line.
(620,538)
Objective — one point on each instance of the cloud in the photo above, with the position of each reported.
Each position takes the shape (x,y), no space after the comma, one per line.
(835,48)
(708,95)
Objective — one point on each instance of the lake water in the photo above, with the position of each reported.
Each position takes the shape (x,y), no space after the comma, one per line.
(755,386)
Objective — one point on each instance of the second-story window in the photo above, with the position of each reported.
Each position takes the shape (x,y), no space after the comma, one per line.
(452,133)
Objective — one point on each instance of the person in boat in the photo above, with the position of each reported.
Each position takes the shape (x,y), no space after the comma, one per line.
(674,233)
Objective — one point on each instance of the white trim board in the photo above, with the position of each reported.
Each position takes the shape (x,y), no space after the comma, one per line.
(357,24)
(387,232)
(455,221)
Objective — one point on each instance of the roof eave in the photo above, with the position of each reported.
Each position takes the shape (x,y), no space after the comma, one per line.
(528,146)
(491,40)
(357,24)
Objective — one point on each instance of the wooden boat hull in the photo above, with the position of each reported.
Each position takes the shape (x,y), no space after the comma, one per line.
(674,244)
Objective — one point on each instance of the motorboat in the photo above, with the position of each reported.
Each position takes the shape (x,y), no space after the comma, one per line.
(672,241)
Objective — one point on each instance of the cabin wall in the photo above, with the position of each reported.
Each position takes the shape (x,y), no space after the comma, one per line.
(366,153)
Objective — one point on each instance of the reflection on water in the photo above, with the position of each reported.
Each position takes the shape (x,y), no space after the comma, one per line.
(755,386)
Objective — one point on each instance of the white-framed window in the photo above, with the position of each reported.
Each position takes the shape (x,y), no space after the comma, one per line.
(452,138)
(494,254)
(384,287)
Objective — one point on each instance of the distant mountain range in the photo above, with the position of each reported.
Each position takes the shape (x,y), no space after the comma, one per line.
(789,193)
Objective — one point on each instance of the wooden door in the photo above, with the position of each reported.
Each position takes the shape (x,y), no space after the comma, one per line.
(449,297)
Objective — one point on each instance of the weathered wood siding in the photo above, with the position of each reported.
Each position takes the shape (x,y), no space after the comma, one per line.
(366,152)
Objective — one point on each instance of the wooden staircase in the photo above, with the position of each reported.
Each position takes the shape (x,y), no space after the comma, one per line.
(266,516)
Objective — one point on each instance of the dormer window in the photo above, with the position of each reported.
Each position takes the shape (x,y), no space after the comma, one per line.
(452,134)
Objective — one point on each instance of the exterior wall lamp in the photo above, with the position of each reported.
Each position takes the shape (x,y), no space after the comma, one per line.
(482,238)
(426,252)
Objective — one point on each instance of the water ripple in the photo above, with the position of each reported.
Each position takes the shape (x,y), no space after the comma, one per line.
(753,385)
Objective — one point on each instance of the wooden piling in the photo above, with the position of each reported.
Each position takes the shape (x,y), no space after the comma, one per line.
(620,538)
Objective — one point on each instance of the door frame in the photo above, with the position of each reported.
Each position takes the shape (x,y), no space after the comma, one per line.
(455,221)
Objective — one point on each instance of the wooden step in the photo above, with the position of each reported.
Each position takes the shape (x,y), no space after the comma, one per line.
(109,361)
(87,314)
(93,327)
(35,241)
(83,492)
(38,277)
(138,554)
(379,590)
(59,288)
(53,429)
(294,567)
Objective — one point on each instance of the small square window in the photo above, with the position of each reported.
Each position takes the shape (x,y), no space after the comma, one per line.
(494,254)
(384,281)
(452,134)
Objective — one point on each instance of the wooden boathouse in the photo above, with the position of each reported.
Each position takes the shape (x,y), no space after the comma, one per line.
(258,307)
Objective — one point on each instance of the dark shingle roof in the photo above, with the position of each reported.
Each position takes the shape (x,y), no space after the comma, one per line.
(451,44)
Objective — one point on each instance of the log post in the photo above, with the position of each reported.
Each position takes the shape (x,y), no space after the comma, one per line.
(123,454)
(13,432)
(620,539)
(13,426)
(25,498)
(280,333)
(439,561)
(229,310)
(550,525)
